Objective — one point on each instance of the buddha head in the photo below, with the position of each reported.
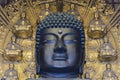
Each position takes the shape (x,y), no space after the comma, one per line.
(60,46)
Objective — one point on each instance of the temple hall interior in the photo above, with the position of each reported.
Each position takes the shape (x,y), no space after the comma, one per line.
(25,23)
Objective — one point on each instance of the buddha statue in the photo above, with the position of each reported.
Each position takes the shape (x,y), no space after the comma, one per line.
(107,52)
(23,28)
(32,77)
(109,74)
(60,46)
(13,51)
(96,27)
(30,69)
(87,76)
(11,73)
(44,12)
(74,10)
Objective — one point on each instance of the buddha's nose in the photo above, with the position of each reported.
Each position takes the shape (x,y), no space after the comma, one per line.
(60,47)
(60,52)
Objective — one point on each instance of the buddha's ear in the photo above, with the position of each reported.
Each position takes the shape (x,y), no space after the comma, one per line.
(81,70)
(82,67)
(38,69)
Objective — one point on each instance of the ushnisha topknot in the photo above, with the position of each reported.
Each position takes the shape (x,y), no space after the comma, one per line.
(60,20)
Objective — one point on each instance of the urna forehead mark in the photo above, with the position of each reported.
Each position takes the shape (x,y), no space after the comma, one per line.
(60,31)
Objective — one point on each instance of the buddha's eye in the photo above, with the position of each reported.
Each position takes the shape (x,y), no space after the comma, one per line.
(49,41)
(70,41)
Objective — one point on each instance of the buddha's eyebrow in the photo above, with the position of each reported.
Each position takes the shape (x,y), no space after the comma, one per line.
(74,34)
(51,34)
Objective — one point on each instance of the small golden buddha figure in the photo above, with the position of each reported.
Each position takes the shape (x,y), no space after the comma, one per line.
(101,5)
(44,12)
(96,27)
(109,74)
(107,52)
(109,11)
(74,10)
(11,73)
(30,69)
(13,51)
(87,76)
(2,28)
(32,77)
(23,28)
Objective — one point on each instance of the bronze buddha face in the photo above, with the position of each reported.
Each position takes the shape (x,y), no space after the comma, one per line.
(59,52)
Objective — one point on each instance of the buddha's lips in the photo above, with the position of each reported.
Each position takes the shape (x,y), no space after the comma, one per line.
(60,56)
